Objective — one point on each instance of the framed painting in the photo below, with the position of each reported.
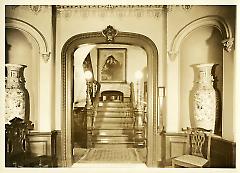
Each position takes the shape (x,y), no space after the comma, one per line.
(112,65)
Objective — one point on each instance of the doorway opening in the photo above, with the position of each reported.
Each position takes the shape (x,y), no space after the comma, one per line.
(96,38)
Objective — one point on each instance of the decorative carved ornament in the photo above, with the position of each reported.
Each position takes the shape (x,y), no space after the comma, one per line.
(109,33)
(36,8)
(169,8)
(46,56)
(109,6)
(227,44)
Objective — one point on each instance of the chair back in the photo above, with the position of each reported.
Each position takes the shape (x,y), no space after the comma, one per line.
(200,142)
(16,140)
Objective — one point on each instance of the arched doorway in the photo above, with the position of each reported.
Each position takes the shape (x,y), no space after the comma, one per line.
(67,85)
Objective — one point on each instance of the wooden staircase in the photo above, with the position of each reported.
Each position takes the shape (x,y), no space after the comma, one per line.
(113,125)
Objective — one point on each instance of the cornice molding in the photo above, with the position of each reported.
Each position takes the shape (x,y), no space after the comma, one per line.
(108,6)
(154,11)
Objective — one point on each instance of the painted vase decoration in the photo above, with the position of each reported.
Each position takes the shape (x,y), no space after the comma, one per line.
(15,92)
(205,98)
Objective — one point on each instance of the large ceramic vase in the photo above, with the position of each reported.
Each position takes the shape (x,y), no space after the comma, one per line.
(205,102)
(15,92)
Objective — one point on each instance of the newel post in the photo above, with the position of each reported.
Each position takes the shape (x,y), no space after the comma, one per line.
(139,136)
(89,108)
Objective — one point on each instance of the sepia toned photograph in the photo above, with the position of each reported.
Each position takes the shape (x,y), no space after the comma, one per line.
(120,86)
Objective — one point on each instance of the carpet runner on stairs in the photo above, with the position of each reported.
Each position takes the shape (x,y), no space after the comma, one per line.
(113,125)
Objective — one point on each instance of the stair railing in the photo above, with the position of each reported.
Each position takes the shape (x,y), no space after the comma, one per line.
(132,94)
(92,102)
(95,98)
(138,118)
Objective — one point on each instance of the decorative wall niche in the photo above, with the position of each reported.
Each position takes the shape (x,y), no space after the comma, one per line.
(26,45)
(224,42)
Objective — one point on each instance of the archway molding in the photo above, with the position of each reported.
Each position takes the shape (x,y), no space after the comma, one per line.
(212,21)
(33,32)
(67,84)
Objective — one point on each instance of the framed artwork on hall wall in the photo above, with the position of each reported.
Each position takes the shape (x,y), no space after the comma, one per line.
(112,65)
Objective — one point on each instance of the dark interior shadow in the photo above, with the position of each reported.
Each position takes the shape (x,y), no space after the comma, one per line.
(215,55)
(7,49)
(218,122)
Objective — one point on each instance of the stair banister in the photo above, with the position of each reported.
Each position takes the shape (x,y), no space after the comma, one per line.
(95,98)
(139,129)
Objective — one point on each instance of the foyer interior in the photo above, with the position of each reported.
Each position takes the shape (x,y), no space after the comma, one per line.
(111,84)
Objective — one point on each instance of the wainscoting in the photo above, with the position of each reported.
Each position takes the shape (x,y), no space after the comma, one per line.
(79,129)
(223,152)
(45,143)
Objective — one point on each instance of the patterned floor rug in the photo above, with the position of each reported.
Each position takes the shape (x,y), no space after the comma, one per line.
(105,155)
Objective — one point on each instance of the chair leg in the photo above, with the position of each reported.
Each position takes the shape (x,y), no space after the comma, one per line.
(173,163)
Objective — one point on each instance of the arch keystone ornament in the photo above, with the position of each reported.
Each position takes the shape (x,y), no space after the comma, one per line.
(109,33)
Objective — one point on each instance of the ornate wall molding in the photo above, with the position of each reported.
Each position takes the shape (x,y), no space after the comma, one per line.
(169,8)
(112,10)
(36,8)
(67,83)
(109,6)
(33,32)
(213,21)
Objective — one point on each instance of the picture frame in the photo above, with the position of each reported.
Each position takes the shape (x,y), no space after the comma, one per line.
(111,65)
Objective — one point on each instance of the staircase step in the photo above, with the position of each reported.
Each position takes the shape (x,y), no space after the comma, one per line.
(115,109)
(112,139)
(112,132)
(113,145)
(115,104)
(114,120)
(113,114)
(113,126)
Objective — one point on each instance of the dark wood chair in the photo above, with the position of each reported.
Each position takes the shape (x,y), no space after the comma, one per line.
(198,154)
(17,148)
